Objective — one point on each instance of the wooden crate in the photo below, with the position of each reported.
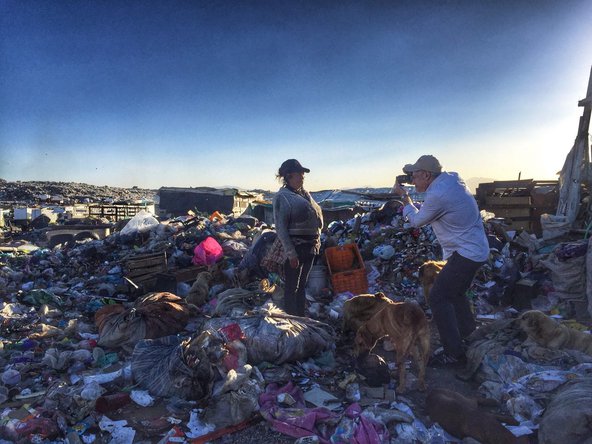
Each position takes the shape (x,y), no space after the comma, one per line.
(519,202)
(143,269)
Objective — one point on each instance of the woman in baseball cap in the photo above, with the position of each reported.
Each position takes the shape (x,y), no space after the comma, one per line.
(298,224)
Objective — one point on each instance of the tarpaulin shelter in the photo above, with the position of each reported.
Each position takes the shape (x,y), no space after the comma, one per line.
(576,170)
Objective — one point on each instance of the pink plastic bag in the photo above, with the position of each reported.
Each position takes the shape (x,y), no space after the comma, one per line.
(208,252)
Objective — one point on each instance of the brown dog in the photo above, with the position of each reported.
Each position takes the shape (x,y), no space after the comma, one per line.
(407,328)
(461,416)
(357,310)
(427,275)
(198,294)
(549,333)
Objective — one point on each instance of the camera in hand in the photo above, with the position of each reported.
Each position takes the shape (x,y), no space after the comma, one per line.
(404,178)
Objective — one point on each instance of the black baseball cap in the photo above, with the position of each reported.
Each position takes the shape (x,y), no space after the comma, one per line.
(292,166)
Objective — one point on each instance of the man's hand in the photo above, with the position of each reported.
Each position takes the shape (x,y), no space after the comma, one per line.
(399,190)
(294,262)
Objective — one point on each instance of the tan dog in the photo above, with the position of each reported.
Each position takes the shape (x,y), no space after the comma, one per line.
(407,328)
(198,294)
(461,416)
(427,275)
(357,310)
(549,333)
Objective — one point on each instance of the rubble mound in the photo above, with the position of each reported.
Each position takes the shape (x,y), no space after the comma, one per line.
(35,191)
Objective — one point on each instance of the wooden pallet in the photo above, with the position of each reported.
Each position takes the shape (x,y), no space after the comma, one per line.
(142,270)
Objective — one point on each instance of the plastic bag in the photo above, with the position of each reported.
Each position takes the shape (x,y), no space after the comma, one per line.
(171,366)
(237,401)
(276,337)
(554,226)
(154,315)
(208,252)
(569,279)
(567,417)
(384,252)
(143,221)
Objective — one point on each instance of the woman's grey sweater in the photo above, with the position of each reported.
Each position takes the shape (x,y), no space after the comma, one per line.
(296,215)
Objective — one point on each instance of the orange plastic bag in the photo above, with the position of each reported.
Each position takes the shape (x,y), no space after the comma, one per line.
(216,215)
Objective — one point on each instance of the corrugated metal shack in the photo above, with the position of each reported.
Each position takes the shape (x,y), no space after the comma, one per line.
(262,210)
(177,201)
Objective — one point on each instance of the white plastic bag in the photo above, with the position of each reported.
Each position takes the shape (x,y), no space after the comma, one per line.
(143,221)
(554,226)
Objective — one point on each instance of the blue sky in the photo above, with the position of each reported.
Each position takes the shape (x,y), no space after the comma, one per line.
(212,93)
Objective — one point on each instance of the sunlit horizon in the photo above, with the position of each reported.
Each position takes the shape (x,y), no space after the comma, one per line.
(191,94)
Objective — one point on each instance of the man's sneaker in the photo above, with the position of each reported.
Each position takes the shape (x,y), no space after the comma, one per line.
(442,359)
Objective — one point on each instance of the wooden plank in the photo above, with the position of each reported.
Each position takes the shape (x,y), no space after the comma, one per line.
(133,257)
(147,284)
(508,200)
(142,270)
(145,271)
(145,260)
(141,280)
(524,183)
(512,213)
(187,274)
(143,263)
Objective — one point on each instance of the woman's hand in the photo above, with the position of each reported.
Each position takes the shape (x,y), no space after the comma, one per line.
(294,262)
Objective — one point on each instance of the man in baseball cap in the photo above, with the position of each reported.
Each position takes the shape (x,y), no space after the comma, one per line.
(452,211)
(426,162)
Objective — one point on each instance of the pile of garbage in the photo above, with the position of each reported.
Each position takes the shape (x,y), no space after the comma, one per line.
(30,192)
(180,316)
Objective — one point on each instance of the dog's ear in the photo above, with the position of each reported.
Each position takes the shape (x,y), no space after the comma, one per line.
(215,269)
